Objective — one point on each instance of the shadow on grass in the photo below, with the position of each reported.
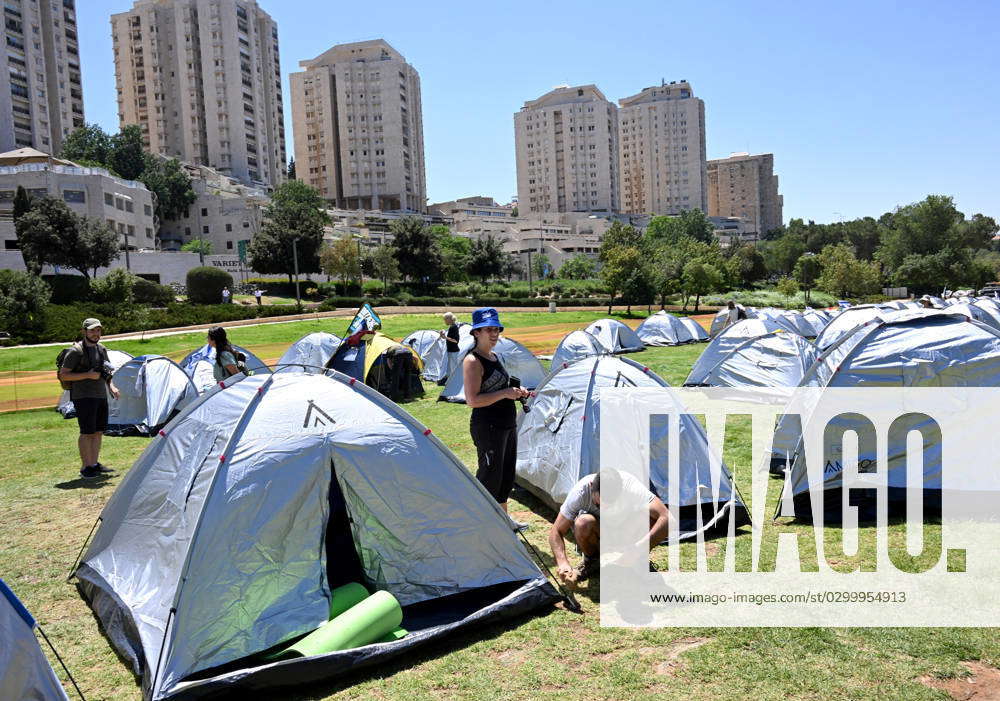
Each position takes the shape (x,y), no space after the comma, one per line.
(98,482)
(430,652)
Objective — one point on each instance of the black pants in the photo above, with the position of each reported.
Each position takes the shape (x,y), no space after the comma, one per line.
(497,448)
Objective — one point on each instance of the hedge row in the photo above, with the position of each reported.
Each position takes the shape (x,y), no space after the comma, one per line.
(63,322)
(332,303)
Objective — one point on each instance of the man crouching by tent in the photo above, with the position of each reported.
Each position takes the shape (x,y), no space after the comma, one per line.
(582,512)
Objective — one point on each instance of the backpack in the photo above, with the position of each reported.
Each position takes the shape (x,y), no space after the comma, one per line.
(241,363)
(84,364)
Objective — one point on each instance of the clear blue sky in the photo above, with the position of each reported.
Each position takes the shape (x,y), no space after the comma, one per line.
(866,105)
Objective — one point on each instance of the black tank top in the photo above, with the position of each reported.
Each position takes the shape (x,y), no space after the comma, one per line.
(495,378)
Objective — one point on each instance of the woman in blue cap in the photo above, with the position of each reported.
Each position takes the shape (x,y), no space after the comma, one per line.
(493,424)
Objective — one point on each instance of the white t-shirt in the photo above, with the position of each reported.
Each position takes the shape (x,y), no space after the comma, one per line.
(580,498)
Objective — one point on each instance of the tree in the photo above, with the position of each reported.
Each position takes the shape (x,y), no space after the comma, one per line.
(541,267)
(43,230)
(666,271)
(781,254)
(200,246)
(455,251)
(788,287)
(417,251)
(126,155)
(513,212)
(486,258)
(807,271)
(293,225)
(691,223)
(22,203)
(166,179)
(579,267)
(87,144)
(619,234)
(291,169)
(97,246)
(747,265)
(382,260)
(512,266)
(23,297)
(341,260)
(623,274)
(843,274)
(701,278)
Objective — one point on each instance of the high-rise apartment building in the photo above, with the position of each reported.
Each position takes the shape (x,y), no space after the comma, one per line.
(567,152)
(43,100)
(203,81)
(745,186)
(661,145)
(358,125)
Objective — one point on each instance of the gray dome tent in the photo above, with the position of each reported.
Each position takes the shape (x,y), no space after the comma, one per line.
(431,347)
(913,348)
(818,319)
(616,336)
(65,406)
(732,337)
(846,320)
(311,352)
(25,672)
(777,359)
(977,312)
(517,359)
(798,323)
(229,532)
(558,442)
(575,345)
(152,389)
(721,319)
(663,329)
(694,328)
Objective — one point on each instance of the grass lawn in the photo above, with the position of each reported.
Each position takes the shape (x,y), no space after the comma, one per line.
(554,655)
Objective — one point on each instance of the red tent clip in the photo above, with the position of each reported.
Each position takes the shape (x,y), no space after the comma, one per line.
(222,458)
(646,369)
(427,432)
(353,380)
(583,418)
(260,389)
(163,434)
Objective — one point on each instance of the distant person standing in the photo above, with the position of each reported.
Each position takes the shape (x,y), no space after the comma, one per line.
(493,424)
(85,365)
(258,294)
(451,337)
(226,295)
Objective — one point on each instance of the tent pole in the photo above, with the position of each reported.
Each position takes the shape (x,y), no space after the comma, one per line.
(65,669)
(79,555)
(571,603)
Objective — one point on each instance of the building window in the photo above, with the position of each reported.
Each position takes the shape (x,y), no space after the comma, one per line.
(149,233)
(229,245)
(74,196)
(204,211)
(204,229)
(147,210)
(10,245)
(119,203)
(229,227)
(128,206)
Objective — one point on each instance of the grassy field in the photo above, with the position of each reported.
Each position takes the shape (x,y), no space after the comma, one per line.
(553,655)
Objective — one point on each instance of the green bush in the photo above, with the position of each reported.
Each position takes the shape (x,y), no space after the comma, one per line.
(373,288)
(386,302)
(23,297)
(331,303)
(281,287)
(68,289)
(114,288)
(151,293)
(205,284)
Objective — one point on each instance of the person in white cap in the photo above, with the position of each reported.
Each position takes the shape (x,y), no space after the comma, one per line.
(85,365)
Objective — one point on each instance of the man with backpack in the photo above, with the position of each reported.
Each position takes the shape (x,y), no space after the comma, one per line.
(85,369)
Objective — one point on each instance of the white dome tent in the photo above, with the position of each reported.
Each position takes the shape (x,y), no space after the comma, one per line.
(558,443)
(776,359)
(913,348)
(152,389)
(575,345)
(311,352)
(616,336)
(732,337)
(432,349)
(663,329)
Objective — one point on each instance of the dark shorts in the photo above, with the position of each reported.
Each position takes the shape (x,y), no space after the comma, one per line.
(92,415)
(497,449)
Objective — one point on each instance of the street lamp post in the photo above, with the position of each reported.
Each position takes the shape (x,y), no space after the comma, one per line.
(295,263)
(125,236)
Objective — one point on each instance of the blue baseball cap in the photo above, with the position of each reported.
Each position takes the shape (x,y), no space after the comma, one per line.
(486,316)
